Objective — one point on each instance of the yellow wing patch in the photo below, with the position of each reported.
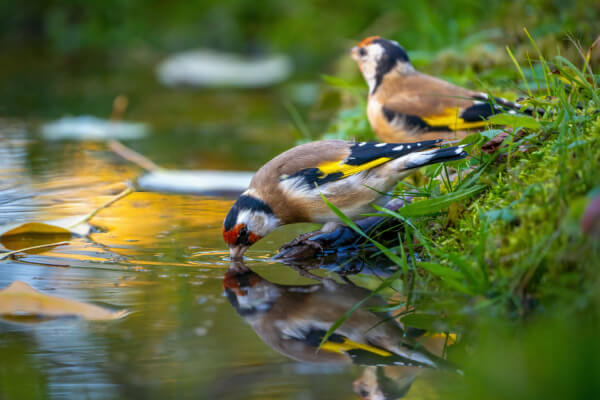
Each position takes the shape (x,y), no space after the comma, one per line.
(348,345)
(451,337)
(451,119)
(333,167)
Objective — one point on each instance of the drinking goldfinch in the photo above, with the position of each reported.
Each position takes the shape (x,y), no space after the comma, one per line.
(350,175)
(407,105)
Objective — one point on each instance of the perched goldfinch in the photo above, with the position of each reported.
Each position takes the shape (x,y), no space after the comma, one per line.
(293,320)
(405,105)
(350,175)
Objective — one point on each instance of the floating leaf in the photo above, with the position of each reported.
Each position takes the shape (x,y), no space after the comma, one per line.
(515,121)
(76,225)
(31,249)
(21,300)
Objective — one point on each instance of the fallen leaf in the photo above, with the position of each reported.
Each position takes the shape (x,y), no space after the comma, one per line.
(21,300)
(76,225)
(494,143)
(40,248)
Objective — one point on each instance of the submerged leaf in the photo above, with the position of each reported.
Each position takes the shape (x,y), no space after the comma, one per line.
(21,300)
(31,249)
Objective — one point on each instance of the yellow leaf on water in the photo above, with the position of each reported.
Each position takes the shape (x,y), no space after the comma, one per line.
(76,225)
(36,227)
(21,300)
(70,226)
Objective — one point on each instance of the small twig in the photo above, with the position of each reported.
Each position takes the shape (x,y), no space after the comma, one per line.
(120,104)
(132,156)
(119,107)
(4,256)
(119,196)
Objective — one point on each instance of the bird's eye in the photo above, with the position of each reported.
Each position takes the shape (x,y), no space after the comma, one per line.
(362,52)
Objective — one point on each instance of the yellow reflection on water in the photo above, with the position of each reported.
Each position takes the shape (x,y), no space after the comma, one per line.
(147,221)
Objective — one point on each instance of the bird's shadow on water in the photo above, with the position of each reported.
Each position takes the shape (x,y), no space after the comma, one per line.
(294,320)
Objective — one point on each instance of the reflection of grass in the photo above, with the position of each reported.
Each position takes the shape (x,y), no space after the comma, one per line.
(513,248)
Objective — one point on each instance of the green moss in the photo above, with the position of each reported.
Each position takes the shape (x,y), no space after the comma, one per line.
(517,245)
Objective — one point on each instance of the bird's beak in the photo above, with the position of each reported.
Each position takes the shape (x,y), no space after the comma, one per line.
(237,266)
(354,53)
(236,252)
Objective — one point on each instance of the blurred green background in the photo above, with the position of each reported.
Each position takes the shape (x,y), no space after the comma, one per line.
(74,57)
(313,32)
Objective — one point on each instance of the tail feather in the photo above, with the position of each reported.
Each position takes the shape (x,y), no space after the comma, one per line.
(424,158)
(505,105)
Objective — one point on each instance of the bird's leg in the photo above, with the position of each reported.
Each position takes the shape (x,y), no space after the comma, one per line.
(315,244)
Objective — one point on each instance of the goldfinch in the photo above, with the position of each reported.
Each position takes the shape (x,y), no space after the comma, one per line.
(407,105)
(289,188)
(294,319)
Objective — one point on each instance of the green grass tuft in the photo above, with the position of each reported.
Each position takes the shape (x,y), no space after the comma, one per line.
(504,240)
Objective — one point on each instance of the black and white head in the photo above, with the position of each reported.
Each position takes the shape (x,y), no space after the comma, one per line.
(248,292)
(249,220)
(377,56)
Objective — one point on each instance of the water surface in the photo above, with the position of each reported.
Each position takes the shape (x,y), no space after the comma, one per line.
(160,256)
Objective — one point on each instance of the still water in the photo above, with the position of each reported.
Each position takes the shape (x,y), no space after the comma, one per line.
(161,257)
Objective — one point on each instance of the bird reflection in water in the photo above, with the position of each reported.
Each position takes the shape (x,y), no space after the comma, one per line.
(293,320)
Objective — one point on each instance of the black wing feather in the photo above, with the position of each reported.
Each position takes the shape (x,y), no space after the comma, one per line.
(364,152)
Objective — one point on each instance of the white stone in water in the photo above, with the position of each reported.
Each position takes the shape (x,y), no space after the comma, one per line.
(87,127)
(196,182)
(209,68)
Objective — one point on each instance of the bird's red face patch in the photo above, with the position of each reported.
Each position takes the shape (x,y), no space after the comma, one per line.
(231,235)
(368,40)
(239,235)
(253,238)
(239,283)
